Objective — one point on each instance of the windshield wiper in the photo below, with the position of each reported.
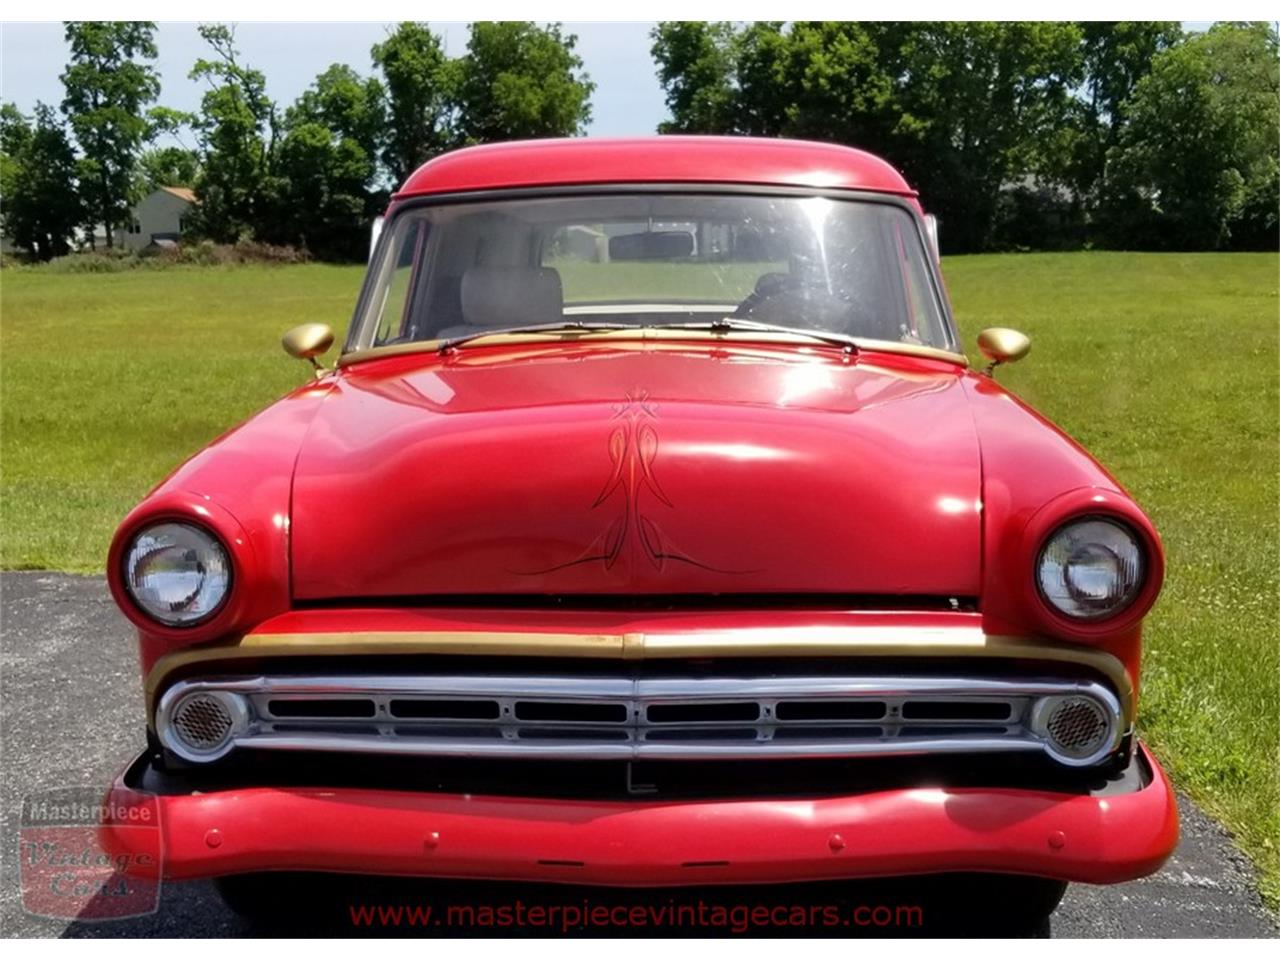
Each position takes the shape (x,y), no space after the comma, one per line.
(729,324)
(566,326)
(719,325)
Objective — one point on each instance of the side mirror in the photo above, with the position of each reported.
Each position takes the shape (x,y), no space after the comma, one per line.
(1002,345)
(308,342)
(374,234)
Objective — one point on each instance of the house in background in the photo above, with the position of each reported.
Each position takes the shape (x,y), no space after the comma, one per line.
(158,218)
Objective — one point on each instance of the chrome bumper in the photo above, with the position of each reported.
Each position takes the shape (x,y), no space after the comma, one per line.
(1077,723)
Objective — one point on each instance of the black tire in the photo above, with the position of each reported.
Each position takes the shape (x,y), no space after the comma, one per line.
(276,901)
(998,904)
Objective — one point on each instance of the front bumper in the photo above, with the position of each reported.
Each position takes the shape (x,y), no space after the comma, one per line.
(1108,837)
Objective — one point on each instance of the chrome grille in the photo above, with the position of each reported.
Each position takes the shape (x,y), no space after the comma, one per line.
(661,717)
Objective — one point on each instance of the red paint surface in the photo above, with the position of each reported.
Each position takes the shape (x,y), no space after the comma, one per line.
(720,160)
(597,469)
(594,470)
(925,830)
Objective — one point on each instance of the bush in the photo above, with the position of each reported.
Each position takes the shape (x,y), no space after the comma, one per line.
(92,261)
(1037,217)
(203,253)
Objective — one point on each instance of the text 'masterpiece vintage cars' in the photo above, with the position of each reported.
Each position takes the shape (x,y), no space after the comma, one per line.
(651,530)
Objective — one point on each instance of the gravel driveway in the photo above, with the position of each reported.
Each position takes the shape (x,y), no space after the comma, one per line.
(73,716)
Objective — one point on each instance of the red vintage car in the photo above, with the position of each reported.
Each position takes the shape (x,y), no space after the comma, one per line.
(651,530)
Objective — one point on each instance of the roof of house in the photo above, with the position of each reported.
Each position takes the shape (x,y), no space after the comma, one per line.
(737,160)
(183,193)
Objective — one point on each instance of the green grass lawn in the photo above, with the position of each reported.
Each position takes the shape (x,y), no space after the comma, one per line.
(108,381)
(1165,366)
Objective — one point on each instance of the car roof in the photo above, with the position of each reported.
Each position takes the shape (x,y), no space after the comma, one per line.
(667,159)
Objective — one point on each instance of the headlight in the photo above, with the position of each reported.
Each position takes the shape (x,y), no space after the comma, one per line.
(177,573)
(1091,568)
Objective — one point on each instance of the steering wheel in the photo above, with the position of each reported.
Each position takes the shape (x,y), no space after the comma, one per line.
(787,300)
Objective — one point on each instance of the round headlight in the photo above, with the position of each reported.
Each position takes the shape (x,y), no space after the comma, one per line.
(177,573)
(1091,568)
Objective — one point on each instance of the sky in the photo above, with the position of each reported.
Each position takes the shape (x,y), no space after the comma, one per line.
(627,100)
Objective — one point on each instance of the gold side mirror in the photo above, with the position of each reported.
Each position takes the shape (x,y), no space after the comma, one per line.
(1002,345)
(307,342)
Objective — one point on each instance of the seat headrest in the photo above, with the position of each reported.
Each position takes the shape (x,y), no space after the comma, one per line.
(511,296)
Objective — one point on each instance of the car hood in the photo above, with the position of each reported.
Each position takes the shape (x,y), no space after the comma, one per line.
(658,469)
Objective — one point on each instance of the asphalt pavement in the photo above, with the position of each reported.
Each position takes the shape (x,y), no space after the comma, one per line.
(71,715)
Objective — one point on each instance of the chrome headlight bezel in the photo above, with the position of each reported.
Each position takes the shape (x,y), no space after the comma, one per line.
(212,564)
(1110,536)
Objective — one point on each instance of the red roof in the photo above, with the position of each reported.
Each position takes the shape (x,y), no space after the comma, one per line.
(182,193)
(745,160)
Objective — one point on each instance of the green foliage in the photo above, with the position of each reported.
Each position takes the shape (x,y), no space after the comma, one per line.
(351,107)
(107,90)
(518,80)
(979,100)
(15,136)
(202,253)
(326,166)
(40,206)
(1116,55)
(420,84)
(1199,162)
(167,167)
(697,70)
(236,127)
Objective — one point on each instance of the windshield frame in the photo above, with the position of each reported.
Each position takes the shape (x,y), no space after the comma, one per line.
(363,324)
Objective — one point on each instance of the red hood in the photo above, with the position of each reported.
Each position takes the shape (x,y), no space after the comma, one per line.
(657,469)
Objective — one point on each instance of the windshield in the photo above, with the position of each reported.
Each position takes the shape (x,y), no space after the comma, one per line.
(846,267)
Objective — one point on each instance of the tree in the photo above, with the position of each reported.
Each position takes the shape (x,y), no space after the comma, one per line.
(323,198)
(167,167)
(15,135)
(420,84)
(697,69)
(41,207)
(352,107)
(327,165)
(237,128)
(822,80)
(1116,55)
(517,81)
(1198,165)
(107,90)
(976,105)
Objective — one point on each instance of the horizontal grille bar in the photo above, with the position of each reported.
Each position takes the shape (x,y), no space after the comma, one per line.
(649,718)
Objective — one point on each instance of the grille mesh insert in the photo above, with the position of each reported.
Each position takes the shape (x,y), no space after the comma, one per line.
(202,721)
(1077,725)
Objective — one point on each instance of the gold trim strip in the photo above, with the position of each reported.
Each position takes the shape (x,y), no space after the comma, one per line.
(650,334)
(902,641)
